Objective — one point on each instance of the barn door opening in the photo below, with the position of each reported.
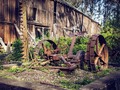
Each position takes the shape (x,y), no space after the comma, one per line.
(42,32)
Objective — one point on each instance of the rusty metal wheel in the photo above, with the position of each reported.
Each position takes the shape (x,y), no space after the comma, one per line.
(97,53)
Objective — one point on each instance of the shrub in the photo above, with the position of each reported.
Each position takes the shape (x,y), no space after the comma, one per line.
(1,67)
(112,36)
(81,44)
(64,44)
(17,50)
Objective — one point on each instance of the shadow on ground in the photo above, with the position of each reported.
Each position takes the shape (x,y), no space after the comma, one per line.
(11,87)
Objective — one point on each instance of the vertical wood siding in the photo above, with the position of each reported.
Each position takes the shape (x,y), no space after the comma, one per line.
(70,17)
(42,12)
(7,14)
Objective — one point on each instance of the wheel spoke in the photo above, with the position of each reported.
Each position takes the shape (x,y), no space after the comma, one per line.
(96,60)
(101,49)
(102,61)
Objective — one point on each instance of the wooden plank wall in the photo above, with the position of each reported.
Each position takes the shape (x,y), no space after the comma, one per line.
(9,10)
(1,19)
(70,17)
(7,14)
(42,12)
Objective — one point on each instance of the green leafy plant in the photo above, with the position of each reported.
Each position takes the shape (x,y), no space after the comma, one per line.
(16,69)
(103,73)
(111,32)
(64,44)
(62,74)
(75,85)
(1,67)
(9,58)
(81,44)
(86,81)
(31,53)
(43,69)
(17,50)
(70,85)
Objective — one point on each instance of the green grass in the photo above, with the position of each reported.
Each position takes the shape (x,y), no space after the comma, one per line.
(69,85)
(16,69)
(1,67)
(61,74)
(76,84)
(104,73)
(43,69)
(85,81)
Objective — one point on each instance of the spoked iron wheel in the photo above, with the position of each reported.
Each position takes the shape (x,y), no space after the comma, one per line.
(97,53)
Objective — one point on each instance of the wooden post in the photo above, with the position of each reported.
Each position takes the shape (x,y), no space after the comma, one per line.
(23,28)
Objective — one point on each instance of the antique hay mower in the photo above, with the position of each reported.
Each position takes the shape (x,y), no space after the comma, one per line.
(95,57)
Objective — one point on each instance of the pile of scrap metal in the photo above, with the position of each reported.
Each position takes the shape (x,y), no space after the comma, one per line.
(96,56)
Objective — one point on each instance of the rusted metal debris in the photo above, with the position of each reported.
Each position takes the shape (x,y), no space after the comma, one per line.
(96,56)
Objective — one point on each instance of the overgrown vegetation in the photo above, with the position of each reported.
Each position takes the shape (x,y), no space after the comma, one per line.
(76,84)
(69,85)
(15,55)
(61,74)
(85,81)
(111,32)
(64,44)
(17,50)
(16,69)
(103,73)
(1,67)
(31,54)
(81,44)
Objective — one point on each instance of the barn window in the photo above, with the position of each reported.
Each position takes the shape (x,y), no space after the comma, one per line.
(38,33)
(34,13)
(42,32)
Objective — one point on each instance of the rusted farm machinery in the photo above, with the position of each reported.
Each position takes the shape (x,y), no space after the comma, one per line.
(95,58)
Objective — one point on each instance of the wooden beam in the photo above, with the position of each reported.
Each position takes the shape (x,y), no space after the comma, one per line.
(37,23)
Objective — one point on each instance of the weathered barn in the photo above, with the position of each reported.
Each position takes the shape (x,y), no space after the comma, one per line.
(43,16)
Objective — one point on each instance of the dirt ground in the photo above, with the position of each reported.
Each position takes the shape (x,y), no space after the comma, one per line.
(49,76)
(46,76)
